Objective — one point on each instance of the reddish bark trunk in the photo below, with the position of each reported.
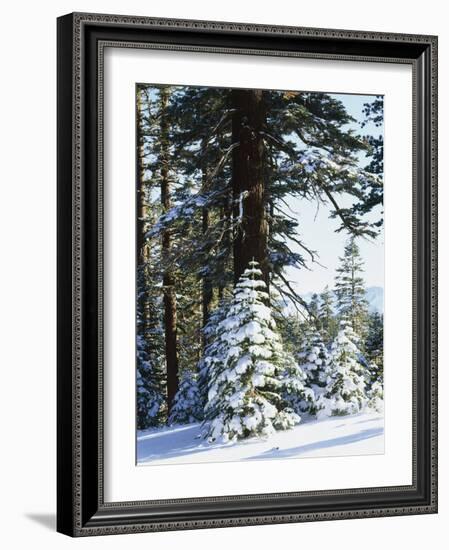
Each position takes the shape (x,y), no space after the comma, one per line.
(248,185)
(207,290)
(168,279)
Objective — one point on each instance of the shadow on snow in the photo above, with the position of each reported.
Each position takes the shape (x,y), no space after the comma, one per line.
(187,442)
(301,449)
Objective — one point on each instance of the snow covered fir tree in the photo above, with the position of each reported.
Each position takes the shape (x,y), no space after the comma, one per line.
(259,219)
(345,383)
(187,403)
(150,380)
(252,374)
(314,358)
(350,288)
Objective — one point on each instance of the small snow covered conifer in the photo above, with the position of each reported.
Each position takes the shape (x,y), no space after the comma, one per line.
(249,373)
(376,397)
(328,323)
(151,405)
(314,359)
(374,348)
(151,369)
(187,403)
(212,356)
(344,392)
(350,289)
(297,393)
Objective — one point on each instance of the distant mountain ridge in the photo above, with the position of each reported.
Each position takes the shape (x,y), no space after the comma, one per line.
(374,297)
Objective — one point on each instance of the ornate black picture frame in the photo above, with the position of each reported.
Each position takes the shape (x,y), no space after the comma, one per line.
(81,509)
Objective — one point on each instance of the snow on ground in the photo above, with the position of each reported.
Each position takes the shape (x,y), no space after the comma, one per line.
(360,434)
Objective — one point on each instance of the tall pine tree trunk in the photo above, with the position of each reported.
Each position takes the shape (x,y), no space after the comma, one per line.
(207,288)
(168,279)
(141,211)
(142,255)
(226,215)
(248,188)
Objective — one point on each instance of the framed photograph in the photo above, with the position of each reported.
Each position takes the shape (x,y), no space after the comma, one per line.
(247,279)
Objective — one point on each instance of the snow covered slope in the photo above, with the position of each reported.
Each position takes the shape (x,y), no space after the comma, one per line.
(360,434)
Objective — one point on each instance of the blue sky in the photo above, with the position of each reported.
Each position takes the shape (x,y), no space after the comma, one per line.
(318,230)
